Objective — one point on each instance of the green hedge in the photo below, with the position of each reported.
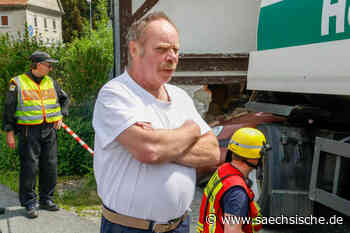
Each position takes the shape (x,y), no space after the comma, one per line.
(87,62)
(8,158)
(73,159)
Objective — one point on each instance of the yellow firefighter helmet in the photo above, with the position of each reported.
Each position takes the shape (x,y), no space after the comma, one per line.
(248,143)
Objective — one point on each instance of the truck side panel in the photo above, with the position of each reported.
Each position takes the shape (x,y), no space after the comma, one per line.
(321,68)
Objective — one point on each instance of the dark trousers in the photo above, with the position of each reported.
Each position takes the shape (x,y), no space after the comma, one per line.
(37,147)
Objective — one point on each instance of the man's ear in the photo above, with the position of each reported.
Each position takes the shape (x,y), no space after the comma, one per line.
(134,49)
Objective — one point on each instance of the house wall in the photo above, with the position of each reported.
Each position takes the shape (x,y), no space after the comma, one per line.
(48,4)
(15,22)
(48,34)
(41,10)
(212,26)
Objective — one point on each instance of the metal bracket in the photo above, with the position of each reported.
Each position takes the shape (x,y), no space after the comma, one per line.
(282,110)
(331,200)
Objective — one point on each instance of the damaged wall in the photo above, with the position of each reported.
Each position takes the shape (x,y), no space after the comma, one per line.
(210,26)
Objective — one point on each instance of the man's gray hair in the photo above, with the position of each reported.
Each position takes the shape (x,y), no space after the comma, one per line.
(137,29)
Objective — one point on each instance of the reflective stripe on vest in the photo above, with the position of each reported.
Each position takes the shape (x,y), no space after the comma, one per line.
(36,102)
(223,179)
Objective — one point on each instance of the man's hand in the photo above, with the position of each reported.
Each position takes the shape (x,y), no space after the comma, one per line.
(144,125)
(57,125)
(205,152)
(10,140)
(231,227)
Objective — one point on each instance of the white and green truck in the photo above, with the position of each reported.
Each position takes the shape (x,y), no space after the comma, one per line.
(301,70)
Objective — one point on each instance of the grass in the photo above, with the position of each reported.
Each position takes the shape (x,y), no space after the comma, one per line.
(10,179)
(73,193)
(81,197)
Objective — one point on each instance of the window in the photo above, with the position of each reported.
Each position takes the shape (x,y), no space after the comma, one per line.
(54,24)
(45,23)
(35,21)
(4,21)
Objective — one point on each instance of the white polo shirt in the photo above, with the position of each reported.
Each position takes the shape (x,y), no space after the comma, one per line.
(155,192)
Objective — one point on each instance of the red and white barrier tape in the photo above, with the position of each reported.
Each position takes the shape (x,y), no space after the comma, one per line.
(77,138)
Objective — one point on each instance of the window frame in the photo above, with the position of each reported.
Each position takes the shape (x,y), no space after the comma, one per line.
(45,23)
(35,21)
(4,18)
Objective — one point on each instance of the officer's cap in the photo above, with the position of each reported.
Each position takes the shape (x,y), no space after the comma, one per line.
(39,56)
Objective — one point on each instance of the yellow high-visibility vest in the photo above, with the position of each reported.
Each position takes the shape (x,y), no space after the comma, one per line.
(36,103)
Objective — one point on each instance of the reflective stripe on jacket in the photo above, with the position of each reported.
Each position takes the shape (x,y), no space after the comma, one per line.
(36,102)
(211,215)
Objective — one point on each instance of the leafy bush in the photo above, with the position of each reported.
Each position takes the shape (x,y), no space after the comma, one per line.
(73,159)
(88,60)
(9,159)
(86,66)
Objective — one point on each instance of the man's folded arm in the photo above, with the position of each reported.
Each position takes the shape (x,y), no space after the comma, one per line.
(157,146)
(204,152)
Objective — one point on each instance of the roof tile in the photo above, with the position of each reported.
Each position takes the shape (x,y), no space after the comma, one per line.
(13,2)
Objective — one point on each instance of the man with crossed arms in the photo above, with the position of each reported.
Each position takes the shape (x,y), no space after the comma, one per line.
(149,138)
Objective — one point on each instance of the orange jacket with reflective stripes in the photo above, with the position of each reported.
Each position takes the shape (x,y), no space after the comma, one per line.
(211,215)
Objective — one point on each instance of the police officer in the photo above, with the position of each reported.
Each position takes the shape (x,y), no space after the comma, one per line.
(34,108)
(228,202)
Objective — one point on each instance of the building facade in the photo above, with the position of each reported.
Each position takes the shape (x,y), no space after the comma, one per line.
(42,17)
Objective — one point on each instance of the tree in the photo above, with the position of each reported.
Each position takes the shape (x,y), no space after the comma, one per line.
(77,14)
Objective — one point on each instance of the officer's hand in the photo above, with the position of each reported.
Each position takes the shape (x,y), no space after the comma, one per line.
(57,125)
(10,140)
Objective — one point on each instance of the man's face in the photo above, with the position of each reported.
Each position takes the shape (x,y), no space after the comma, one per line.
(44,68)
(255,162)
(158,53)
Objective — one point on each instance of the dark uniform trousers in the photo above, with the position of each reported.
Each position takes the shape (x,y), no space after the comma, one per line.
(37,147)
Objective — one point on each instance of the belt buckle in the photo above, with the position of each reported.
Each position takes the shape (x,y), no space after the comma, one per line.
(172,221)
(165,227)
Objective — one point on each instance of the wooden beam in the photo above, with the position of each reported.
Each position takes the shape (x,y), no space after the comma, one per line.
(143,10)
(125,16)
(213,62)
(126,19)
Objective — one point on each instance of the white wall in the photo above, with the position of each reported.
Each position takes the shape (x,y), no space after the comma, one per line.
(49,34)
(212,26)
(17,19)
(15,22)
(49,4)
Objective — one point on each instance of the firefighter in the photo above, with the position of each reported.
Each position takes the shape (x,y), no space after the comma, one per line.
(228,201)
(34,107)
